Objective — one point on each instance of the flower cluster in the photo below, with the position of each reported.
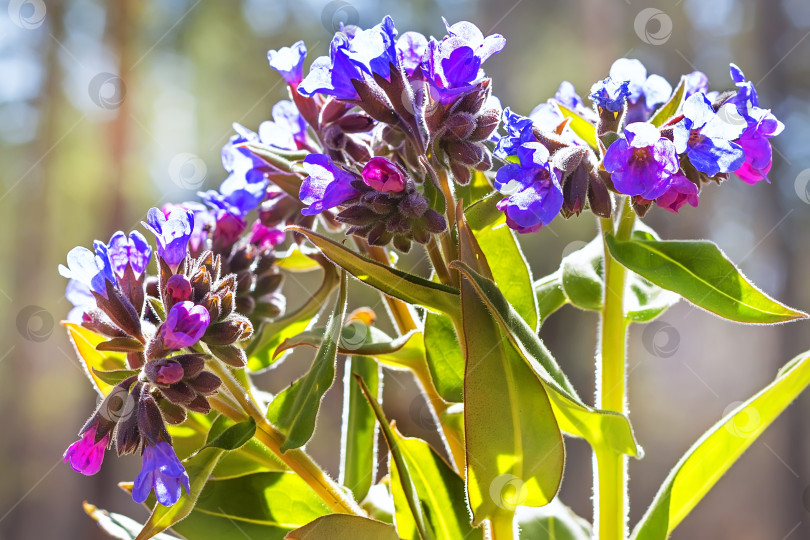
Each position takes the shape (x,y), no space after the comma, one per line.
(215,280)
(635,151)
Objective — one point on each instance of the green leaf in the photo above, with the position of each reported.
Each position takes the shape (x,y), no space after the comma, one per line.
(478,188)
(234,436)
(294,410)
(670,108)
(554,521)
(358,443)
(515,453)
(582,273)
(550,295)
(199,468)
(438,487)
(599,428)
(407,287)
(344,527)
(584,129)
(252,457)
(644,301)
(84,342)
(118,525)
(362,340)
(115,376)
(509,267)
(484,212)
(712,455)
(701,273)
(406,482)
(271,335)
(297,259)
(444,357)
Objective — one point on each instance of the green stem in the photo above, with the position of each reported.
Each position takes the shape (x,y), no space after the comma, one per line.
(297,460)
(503,526)
(611,482)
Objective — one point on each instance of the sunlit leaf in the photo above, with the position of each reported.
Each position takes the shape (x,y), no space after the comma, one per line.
(670,108)
(712,455)
(84,342)
(344,527)
(550,295)
(117,525)
(584,129)
(582,276)
(701,273)
(554,521)
(444,357)
(358,448)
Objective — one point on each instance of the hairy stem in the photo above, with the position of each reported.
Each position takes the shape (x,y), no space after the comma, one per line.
(611,475)
(438,261)
(297,460)
(400,311)
(448,244)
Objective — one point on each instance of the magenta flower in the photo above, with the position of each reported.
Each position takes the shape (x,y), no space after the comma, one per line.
(383,175)
(681,191)
(85,455)
(265,237)
(163,472)
(642,162)
(184,326)
(326,186)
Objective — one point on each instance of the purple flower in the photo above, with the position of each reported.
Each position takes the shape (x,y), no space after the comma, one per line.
(289,62)
(172,232)
(534,196)
(519,131)
(383,175)
(235,196)
(645,92)
(178,288)
(411,47)
(203,220)
(681,191)
(375,50)
(132,251)
(326,186)
(610,94)
(92,269)
(642,162)
(287,130)
(454,63)
(85,455)
(761,125)
(163,472)
(697,81)
(80,295)
(265,237)
(707,139)
(185,324)
(333,75)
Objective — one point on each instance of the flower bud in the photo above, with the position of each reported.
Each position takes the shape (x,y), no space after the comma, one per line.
(150,421)
(206,383)
(356,123)
(413,205)
(383,175)
(460,125)
(184,326)
(178,289)
(164,371)
(232,355)
(179,393)
(485,124)
(228,331)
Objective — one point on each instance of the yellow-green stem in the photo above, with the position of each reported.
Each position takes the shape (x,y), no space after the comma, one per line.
(297,460)
(611,473)
(503,525)
(438,261)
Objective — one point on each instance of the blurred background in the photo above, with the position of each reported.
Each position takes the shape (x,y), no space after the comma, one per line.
(109,108)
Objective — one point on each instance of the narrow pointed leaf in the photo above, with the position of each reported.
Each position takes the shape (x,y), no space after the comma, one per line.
(670,108)
(358,443)
(405,480)
(92,360)
(407,287)
(712,455)
(117,525)
(584,129)
(344,527)
(295,409)
(115,376)
(701,273)
(550,295)
(444,357)
(234,436)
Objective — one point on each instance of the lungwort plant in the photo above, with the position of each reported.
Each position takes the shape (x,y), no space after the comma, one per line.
(394,143)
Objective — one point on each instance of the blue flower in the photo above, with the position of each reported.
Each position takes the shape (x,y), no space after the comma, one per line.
(646,93)
(132,251)
(519,131)
(287,130)
(610,94)
(235,195)
(163,472)
(534,196)
(695,82)
(172,232)
(80,295)
(412,47)
(707,139)
(375,50)
(289,62)
(92,269)
(567,95)
(454,63)
(326,186)
(642,162)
